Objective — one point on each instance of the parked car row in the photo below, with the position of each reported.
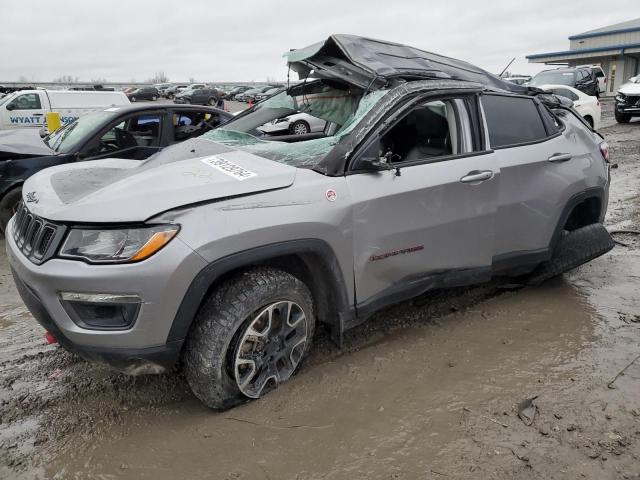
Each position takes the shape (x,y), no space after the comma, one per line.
(200,96)
(257,94)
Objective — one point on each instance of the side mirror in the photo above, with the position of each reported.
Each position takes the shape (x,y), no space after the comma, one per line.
(11,106)
(374,164)
(372,161)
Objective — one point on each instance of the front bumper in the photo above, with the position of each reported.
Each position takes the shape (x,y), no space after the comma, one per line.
(632,108)
(160,281)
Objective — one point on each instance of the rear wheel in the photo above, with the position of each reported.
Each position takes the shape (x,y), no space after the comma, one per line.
(250,335)
(8,206)
(299,127)
(622,117)
(575,248)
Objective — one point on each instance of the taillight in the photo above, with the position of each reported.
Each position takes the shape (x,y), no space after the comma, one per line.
(604,150)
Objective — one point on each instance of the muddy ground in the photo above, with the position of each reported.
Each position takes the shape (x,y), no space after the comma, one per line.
(428,389)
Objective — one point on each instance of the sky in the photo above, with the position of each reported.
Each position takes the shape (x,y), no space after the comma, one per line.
(214,41)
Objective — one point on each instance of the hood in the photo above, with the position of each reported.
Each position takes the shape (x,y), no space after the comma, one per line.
(630,89)
(118,191)
(23,141)
(370,64)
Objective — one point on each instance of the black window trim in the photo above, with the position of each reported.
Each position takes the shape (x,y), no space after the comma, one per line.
(402,110)
(531,142)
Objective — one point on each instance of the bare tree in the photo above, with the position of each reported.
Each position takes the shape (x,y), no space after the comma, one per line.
(66,79)
(23,79)
(192,80)
(159,77)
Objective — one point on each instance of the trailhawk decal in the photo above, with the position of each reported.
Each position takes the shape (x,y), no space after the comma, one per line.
(229,168)
(382,256)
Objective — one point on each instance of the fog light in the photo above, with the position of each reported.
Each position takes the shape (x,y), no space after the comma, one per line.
(101,311)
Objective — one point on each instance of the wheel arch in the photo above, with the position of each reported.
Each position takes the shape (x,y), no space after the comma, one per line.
(313,261)
(587,205)
(18,184)
(589,120)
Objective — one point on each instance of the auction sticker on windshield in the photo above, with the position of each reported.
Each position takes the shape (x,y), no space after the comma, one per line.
(229,168)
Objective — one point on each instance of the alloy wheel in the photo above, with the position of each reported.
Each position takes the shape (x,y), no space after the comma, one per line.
(270,348)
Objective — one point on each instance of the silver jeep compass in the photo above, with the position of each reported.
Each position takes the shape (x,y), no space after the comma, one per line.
(227,250)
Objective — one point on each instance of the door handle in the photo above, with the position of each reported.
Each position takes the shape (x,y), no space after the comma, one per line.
(560,157)
(477,176)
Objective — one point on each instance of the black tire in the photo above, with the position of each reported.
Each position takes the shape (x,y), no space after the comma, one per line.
(169,96)
(589,120)
(8,206)
(575,248)
(622,117)
(223,320)
(299,127)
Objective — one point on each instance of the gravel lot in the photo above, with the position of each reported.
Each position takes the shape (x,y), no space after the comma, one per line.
(428,389)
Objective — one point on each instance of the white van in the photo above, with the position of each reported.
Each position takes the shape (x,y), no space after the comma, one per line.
(27,108)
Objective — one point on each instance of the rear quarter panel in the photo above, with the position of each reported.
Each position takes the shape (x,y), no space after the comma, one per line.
(533,194)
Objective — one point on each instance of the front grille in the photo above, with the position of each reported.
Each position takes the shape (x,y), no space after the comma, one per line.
(36,237)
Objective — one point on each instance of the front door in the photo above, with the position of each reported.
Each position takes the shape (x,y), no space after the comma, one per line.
(25,110)
(429,221)
(136,137)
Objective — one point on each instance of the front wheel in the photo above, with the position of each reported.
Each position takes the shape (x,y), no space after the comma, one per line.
(249,336)
(8,206)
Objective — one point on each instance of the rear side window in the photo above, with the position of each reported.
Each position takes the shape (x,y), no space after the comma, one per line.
(512,120)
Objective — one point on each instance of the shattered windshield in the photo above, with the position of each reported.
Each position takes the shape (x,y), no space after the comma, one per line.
(341,109)
(7,98)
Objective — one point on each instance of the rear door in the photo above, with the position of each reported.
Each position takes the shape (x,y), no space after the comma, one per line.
(533,157)
(429,221)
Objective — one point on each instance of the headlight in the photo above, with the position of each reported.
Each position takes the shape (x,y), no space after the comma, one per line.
(116,245)
(621,97)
